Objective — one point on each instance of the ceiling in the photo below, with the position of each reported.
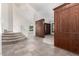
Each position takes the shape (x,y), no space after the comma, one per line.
(44,9)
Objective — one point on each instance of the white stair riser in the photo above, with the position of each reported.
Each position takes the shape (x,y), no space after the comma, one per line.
(13,40)
(16,37)
(12,37)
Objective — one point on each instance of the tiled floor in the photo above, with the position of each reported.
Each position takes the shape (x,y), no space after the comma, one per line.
(35,46)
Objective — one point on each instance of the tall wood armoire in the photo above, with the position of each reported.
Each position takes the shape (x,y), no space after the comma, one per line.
(67,27)
(40,28)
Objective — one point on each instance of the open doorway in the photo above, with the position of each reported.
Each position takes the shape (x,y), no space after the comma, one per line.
(43,30)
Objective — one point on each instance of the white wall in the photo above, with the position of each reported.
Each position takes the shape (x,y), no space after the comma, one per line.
(6,16)
(24,16)
(0,33)
(18,17)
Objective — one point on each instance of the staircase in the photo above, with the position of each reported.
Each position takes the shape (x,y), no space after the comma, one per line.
(12,37)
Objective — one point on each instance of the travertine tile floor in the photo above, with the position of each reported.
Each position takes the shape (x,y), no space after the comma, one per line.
(35,46)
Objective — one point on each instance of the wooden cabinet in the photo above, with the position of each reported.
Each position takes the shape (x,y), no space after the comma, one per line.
(40,28)
(67,27)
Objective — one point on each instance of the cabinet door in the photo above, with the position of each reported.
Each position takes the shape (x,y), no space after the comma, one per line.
(74,27)
(64,20)
(64,33)
(74,18)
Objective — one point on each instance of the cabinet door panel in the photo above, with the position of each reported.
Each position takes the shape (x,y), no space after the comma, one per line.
(64,21)
(74,18)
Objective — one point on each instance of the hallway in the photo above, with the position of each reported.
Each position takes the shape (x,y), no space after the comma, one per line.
(35,46)
(27,29)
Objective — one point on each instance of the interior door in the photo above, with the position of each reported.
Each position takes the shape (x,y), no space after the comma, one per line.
(40,28)
(47,28)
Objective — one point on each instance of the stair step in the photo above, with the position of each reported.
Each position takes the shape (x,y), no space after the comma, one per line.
(14,40)
(12,37)
(10,33)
